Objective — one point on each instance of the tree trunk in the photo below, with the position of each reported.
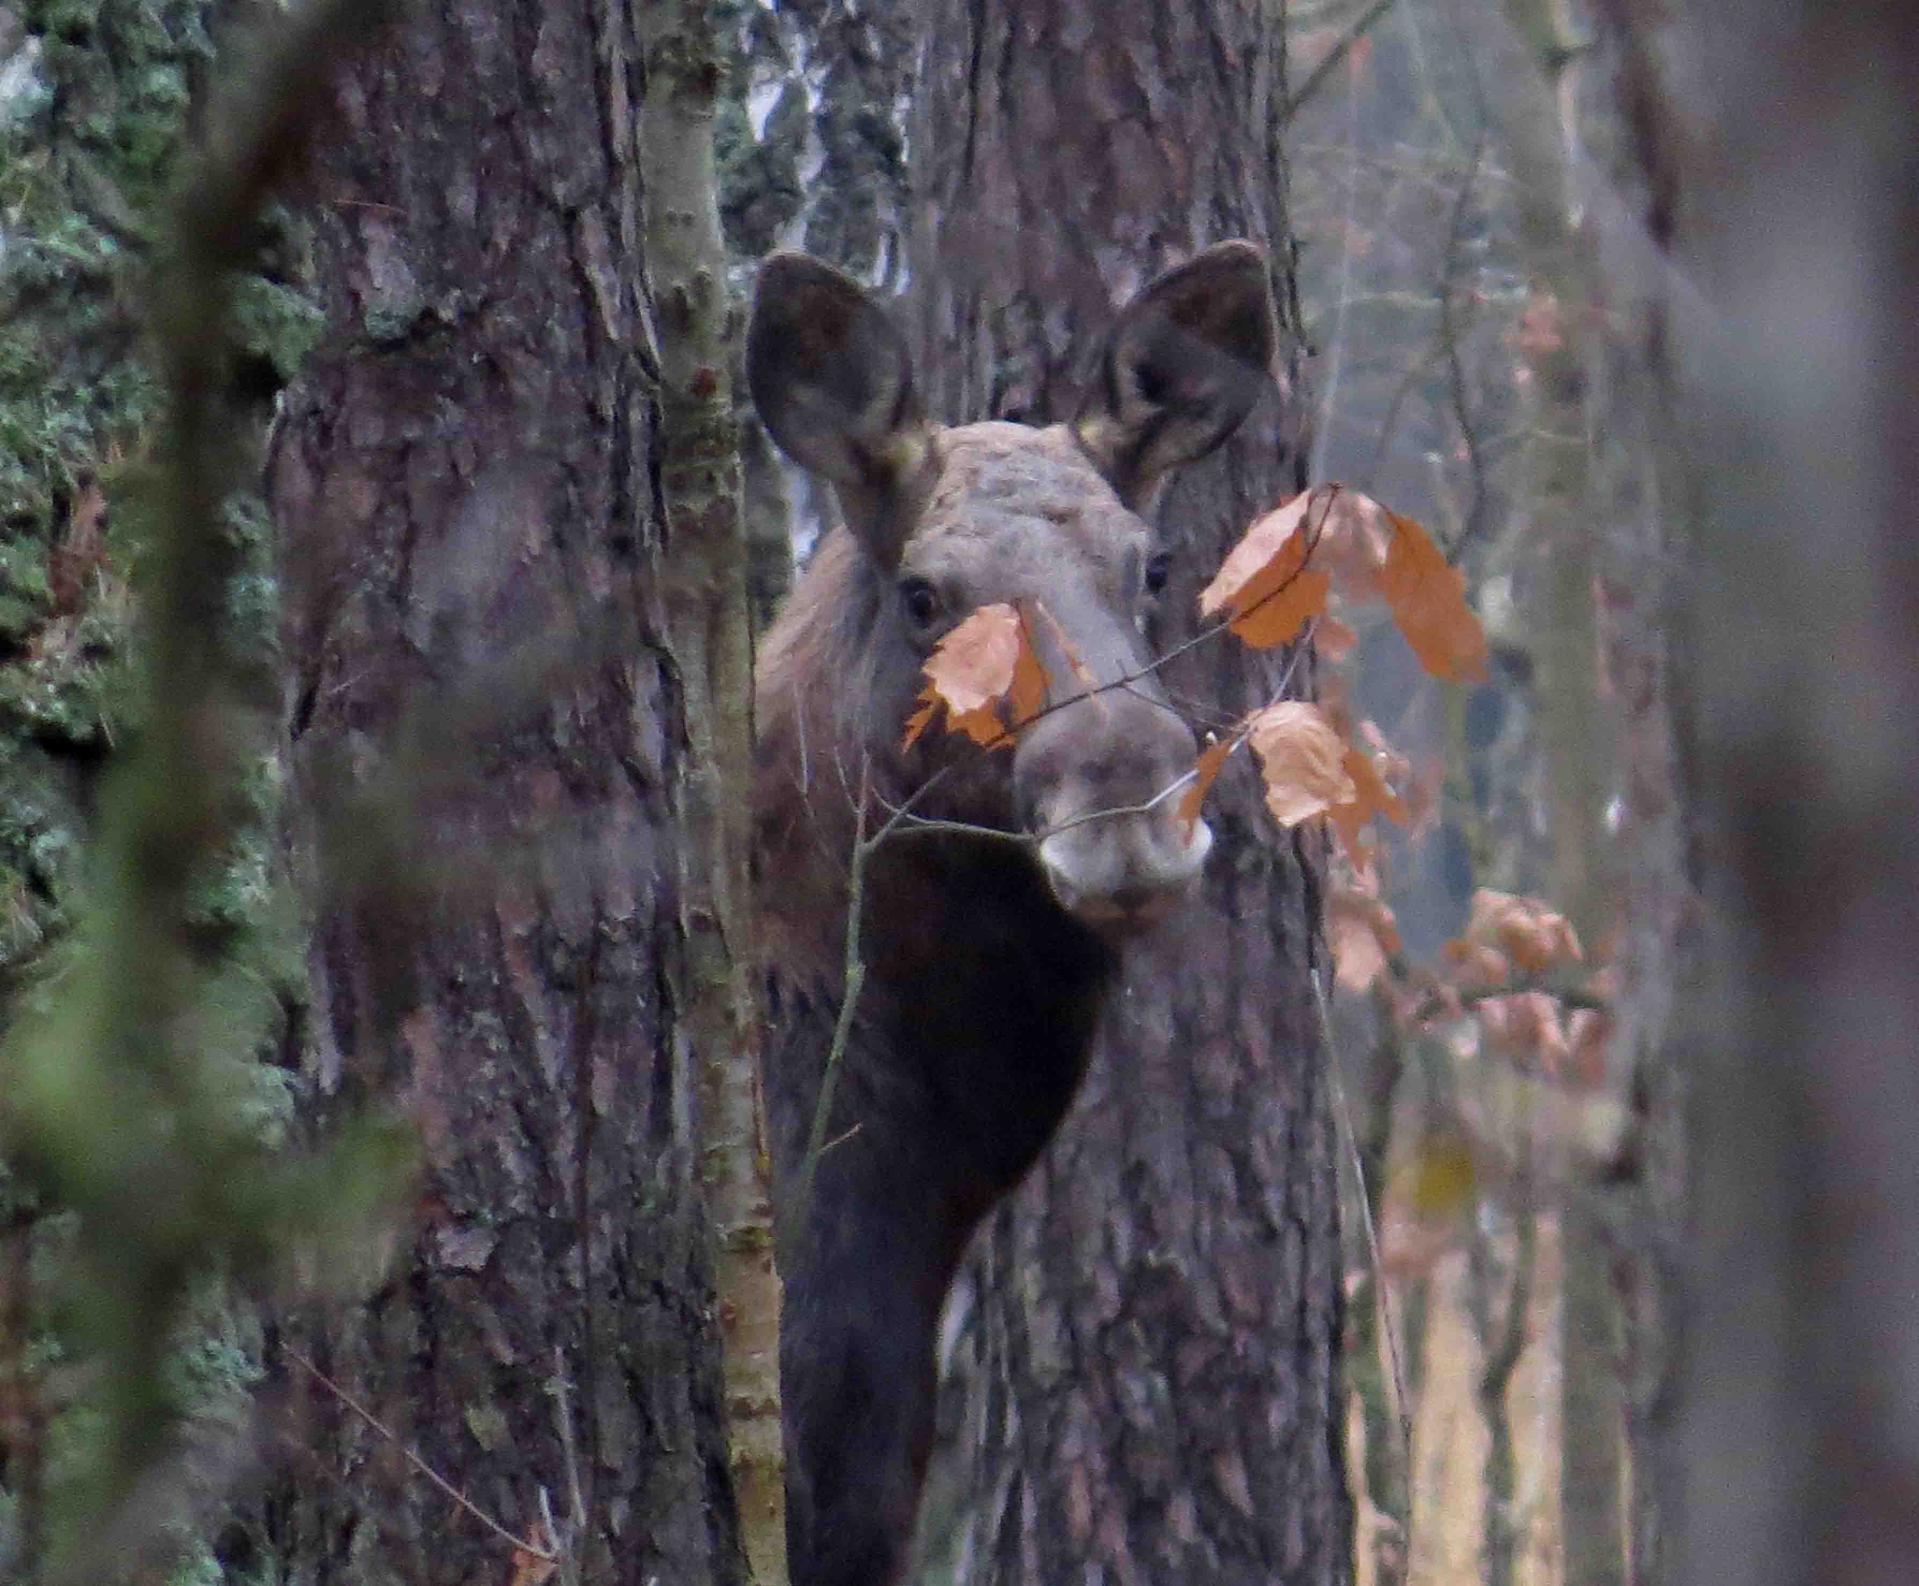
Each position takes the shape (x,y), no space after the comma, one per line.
(1801,1423)
(1639,483)
(710,629)
(1146,1374)
(488,744)
(812,152)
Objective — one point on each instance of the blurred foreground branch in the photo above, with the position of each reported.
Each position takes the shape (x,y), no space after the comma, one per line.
(126,1081)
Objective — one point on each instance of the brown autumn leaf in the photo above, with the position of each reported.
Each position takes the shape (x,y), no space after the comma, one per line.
(1302,760)
(1525,1026)
(535,1568)
(1372,795)
(1427,597)
(1264,585)
(1474,966)
(984,663)
(1532,935)
(1206,769)
(1364,937)
(1589,1033)
(1027,696)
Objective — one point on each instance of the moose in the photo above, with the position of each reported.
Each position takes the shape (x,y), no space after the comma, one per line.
(991,915)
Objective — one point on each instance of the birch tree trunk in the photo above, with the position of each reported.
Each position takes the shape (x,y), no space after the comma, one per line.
(710,629)
(1145,1348)
(489,744)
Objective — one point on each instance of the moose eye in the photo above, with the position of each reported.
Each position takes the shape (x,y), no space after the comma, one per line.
(921,599)
(1158,569)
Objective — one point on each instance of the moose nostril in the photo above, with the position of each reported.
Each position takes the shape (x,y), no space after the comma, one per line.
(1126,871)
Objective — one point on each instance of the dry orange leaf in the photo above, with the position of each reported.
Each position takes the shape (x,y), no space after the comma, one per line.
(1212,760)
(1264,585)
(1474,965)
(535,1569)
(1533,936)
(1428,601)
(1302,759)
(1371,796)
(984,663)
(1352,542)
(1364,936)
(1525,1026)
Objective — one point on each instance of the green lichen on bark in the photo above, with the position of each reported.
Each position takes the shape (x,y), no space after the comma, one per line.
(96,98)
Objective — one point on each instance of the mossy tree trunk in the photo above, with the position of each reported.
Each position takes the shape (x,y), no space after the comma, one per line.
(145,958)
(1146,1380)
(490,748)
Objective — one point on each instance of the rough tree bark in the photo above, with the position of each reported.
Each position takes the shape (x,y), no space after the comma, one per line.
(488,741)
(1147,1379)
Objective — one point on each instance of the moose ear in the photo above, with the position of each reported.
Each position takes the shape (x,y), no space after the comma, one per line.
(833,385)
(1181,369)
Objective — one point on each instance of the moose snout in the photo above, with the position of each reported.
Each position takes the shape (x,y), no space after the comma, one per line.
(1099,784)
(1124,871)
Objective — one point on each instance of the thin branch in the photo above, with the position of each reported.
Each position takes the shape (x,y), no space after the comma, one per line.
(1125,680)
(1329,64)
(567,1539)
(919,824)
(1382,1294)
(544,1555)
(854,975)
(1476,511)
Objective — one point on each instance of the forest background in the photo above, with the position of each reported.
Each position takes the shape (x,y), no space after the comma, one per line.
(1611,298)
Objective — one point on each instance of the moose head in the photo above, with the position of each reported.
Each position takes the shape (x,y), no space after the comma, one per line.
(910,1097)
(945,520)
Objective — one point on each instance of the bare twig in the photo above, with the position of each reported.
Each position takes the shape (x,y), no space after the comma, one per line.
(568,1539)
(1477,512)
(855,979)
(385,1432)
(1383,1295)
(1329,63)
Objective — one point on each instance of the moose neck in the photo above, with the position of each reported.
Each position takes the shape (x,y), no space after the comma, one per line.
(986,990)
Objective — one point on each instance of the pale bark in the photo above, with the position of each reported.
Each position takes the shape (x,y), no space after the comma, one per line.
(709,625)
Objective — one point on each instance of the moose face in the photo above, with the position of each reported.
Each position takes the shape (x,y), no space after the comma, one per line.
(944,521)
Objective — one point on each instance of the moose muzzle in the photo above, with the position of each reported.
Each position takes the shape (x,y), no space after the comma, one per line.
(1097,783)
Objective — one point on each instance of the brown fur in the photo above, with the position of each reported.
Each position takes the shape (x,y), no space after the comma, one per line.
(981,991)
